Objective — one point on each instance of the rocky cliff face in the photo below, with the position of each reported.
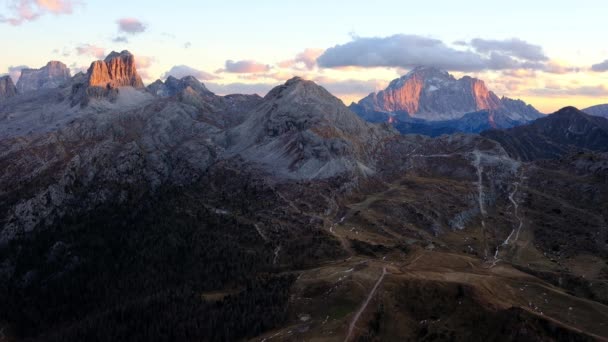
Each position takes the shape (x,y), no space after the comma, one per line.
(7,88)
(431,94)
(52,75)
(104,78)
(302,131)
(117,70)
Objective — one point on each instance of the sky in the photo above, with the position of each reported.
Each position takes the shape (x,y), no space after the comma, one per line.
(548,53)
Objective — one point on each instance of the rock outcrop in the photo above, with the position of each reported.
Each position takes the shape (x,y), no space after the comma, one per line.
(301,131)
(7,88)
(104,78)
(173,86)
(52,75)
(117,70)
(431,94)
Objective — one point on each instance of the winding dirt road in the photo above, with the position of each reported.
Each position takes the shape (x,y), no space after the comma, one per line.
(371,294)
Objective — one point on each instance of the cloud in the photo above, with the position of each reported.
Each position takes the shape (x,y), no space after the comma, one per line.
(600,67)
(350,86)
(510,47)
(15,72)
(120,39)
(240,88)
(91,50)
(244,67)
(308,58)
(180,71)
(29,10)
(144,62)
(555,67)
(65,52)
(553,90)
(408,51)
(130,26)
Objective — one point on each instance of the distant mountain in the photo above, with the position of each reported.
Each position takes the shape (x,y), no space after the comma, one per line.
(7,87)
(599,110)
(302,131)
(554,136)
(52,75)
(433,95)
(223,111)
(173,86)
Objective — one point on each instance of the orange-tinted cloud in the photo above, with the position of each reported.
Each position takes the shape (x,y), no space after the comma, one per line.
(244,67)
(307,58)
(91,50)
(29,10)
(555,67)
(180,71)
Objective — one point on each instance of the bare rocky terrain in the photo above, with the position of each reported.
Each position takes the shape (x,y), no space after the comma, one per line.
(170,213)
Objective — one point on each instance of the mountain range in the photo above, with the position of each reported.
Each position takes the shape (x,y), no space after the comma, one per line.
(168,212)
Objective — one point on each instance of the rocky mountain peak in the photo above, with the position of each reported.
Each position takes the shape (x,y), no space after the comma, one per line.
(52,75)
(173,86)
(432,94)
(300,130)
(103,78)
(7,87)
(117,70)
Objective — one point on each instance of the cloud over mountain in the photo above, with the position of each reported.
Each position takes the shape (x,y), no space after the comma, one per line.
(240,88)
(408,51)
(179,71)
(244,67)
(514,47)
(308,58)
(15,72)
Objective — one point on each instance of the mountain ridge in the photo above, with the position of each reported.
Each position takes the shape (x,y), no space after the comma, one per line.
(52,75)
(435,96)
(554,135)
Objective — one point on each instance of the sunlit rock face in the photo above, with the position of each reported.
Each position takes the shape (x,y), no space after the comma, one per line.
(7,88)
(117,70)
(432,94)
(52,75)
(105,77)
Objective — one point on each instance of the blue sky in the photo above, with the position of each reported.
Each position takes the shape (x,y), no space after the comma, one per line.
(203,35)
